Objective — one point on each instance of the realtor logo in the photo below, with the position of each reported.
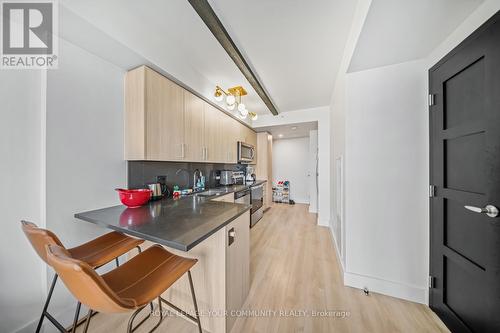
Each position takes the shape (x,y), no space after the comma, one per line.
(29,36)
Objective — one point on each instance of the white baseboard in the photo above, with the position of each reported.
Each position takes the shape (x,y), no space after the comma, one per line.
(337,251)
(386,287)
(323,223)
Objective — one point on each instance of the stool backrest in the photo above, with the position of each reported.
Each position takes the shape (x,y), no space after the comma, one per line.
(84,283)
(39,238)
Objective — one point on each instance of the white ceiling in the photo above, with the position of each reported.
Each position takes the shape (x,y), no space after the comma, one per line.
(396,31)
(290,131)
(171,35)
(294,46)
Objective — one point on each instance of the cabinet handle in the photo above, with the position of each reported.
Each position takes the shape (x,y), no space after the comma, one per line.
(206,153)
(183,150)
(231,236)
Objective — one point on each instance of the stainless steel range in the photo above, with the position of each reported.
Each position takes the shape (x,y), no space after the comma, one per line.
(257,199)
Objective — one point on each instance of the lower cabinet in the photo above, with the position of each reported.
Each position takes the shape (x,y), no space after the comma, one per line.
(221,277)
(238,272)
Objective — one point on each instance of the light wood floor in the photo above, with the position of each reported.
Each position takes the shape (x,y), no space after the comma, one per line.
(294,267)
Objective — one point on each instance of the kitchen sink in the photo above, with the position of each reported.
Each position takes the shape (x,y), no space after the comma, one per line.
(211,193)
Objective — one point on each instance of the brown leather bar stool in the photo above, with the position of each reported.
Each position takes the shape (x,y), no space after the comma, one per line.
(131,286)
(94,253)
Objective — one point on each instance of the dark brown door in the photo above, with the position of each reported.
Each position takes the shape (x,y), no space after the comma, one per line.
(465,168)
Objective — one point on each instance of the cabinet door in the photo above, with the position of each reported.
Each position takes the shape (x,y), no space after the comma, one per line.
(164,118)
(194,127)
(250,137)
(214,135)
(237,265)
(135,115)
(242,132)
(231,137)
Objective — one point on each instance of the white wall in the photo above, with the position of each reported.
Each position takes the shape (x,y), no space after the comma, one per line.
(386,173)
(20,173)
(322,116)
(338,107)
(379,124)
(291,162)
(62,136)
(84,148)
(313,171)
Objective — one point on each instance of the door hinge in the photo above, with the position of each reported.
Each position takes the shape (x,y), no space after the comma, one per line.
(432,99)
(432,191)
(431,282)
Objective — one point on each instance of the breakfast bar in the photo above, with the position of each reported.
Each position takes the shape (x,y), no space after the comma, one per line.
(214,232)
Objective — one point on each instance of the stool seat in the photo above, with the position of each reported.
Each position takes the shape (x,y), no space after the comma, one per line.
(94,253)
(144,277)
(104,249)
(131,286)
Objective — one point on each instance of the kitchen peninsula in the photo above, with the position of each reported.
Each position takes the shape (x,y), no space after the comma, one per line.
(198,226)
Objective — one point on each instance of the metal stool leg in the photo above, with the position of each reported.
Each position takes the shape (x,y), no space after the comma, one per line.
(194,302)
(47,301)
(130,326)
(75,320)
(87,322)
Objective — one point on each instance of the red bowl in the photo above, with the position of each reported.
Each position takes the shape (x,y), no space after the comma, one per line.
(134,198)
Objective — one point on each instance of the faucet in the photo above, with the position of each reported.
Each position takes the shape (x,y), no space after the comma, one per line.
(195,179)
(187,174)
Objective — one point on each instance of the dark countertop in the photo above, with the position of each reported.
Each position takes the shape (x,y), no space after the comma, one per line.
(180,224)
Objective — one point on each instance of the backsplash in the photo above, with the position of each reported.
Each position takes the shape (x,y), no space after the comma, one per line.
(140,173)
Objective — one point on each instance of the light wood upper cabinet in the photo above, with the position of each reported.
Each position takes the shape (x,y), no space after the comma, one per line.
(135,120)
(154,117)
(165,122)
(250,137)
(214,135)
(194,127)
(164,118)
(231,138)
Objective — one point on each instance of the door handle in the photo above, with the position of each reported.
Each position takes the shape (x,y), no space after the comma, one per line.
(489,210)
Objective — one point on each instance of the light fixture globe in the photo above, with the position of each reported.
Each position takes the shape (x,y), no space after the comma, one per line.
(230,100)
(243,112)
(219,97)
(254,116)
(231,107)
(241,107)
(243,116)
(219,94)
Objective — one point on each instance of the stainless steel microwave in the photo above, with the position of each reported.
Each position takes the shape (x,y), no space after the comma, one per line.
(246,152)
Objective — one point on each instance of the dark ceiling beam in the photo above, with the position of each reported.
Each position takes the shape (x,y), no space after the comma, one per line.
(207,14)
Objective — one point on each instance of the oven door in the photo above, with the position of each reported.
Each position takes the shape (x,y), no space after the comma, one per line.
(246,152)
(257,197)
